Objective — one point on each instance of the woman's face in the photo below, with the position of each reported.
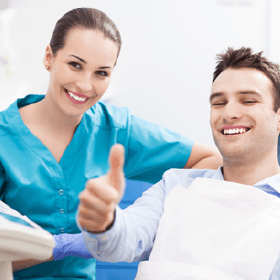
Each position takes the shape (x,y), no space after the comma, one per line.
(81,71)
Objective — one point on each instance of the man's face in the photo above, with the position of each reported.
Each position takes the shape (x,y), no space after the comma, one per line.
(244,124)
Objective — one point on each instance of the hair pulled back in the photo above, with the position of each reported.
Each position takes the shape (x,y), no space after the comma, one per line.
(87,18)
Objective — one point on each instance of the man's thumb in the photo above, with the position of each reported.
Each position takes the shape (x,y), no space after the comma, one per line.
(116,160)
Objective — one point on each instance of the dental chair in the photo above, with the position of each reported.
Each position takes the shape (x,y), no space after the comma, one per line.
(21,239)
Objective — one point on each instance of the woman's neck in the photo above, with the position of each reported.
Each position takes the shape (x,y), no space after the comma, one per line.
(52,117)
(50,124)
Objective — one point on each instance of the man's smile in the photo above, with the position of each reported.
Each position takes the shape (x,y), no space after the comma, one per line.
(234,130)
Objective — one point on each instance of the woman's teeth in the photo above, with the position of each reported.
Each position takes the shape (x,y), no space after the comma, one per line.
(75,96)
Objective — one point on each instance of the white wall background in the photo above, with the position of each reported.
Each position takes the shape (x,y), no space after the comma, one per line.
(165,67)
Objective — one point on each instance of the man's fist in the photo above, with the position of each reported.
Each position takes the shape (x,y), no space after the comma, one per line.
(101,195)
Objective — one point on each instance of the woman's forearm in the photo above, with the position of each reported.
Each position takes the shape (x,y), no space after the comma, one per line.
(19,265)
(204,157)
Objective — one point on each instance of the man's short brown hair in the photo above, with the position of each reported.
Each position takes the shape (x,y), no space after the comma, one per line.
(245,58)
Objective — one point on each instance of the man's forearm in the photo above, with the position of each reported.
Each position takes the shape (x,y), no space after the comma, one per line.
(132,234)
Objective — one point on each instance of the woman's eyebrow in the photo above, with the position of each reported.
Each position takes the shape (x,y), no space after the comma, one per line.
(103,67)
(78,58)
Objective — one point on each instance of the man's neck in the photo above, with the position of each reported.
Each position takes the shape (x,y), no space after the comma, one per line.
(250,172)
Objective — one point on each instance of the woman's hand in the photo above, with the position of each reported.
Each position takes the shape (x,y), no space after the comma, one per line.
(65,245)
(70,245)
(98,201)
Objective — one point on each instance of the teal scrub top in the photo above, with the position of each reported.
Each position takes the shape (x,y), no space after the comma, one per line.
(35,184)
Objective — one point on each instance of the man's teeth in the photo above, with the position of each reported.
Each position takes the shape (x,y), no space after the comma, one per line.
(234,131)
(75,96)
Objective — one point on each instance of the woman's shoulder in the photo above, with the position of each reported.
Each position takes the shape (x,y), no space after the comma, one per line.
(5,124)
(10,118)
(108,116)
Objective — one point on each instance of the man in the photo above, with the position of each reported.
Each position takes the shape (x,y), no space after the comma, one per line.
(204,224)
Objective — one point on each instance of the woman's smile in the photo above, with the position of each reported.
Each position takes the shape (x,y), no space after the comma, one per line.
(76,98)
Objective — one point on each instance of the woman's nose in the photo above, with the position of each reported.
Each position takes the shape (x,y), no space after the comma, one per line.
(85,83)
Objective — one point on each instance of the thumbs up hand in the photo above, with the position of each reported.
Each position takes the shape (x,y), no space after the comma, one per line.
(101,195)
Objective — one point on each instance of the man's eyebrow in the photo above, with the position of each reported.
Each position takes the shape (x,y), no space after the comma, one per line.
(215,94)
(78,58)
(250,92)
(243,92)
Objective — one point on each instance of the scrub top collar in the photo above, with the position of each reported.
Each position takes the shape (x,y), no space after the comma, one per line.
(35,144)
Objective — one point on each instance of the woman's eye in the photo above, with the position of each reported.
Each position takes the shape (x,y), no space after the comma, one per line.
(102,73)
(76,65)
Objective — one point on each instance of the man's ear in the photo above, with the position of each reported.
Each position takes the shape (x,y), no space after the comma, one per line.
(48,57)
(278,119)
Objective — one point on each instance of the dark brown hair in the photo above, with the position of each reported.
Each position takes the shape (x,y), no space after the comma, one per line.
(87,18)
(245,58)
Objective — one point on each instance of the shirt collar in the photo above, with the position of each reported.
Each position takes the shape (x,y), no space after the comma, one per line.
(273,181)
(218,174)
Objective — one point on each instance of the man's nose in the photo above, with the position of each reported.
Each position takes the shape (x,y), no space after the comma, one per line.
(232,111)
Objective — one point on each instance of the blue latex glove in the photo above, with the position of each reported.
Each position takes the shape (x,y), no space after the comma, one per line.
(70,245)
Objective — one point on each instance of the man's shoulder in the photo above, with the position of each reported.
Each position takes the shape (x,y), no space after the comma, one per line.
(185,177)
(190,173)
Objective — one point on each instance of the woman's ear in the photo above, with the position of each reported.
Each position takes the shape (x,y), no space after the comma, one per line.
(48,57)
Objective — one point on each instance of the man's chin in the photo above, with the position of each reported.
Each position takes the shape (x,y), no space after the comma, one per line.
(233,152)
(234,156)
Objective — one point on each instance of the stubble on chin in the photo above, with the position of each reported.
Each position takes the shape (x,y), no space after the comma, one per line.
(232,153)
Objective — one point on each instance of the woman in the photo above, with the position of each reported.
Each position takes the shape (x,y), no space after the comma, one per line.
(52,144)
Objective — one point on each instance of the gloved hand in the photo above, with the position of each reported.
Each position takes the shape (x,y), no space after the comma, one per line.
(70,245)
